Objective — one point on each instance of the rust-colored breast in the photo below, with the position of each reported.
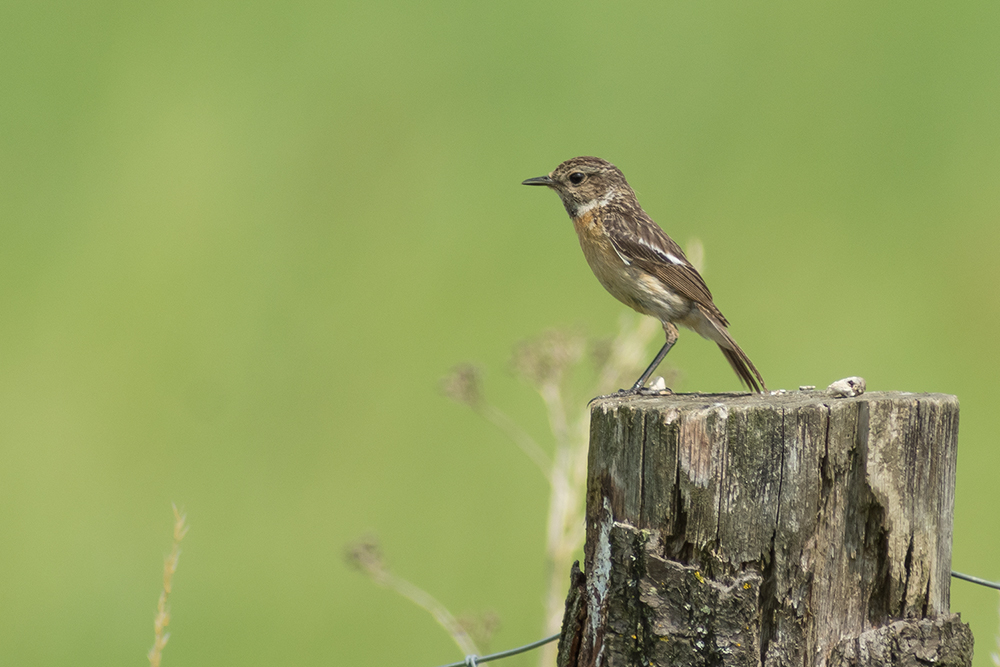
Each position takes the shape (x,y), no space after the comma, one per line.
(596,245)
(608,266)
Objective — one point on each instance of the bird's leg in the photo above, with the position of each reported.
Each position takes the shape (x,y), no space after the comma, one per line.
(639,387)
(671,331)
(641,382)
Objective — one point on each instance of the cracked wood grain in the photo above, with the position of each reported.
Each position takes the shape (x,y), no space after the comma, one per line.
(795,529)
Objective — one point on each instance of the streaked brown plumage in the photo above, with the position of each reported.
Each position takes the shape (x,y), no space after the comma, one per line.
(638,263)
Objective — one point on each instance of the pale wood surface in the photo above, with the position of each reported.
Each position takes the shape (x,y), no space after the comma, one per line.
(793,529)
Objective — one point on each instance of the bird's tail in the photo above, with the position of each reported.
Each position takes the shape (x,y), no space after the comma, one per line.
(744,368)
(736,357)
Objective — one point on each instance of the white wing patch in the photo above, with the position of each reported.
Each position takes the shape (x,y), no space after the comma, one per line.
(660,252)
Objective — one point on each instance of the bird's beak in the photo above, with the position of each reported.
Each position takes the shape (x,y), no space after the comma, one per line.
(540,180)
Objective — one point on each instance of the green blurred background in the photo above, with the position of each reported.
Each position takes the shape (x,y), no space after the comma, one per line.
(241,242)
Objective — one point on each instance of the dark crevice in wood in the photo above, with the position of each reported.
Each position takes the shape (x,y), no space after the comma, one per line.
(826,470)
(675,545)
(927,598)
(639,573)
(907,567)
(876,553)
(913,462)
(642,468)
(768,602)
(721,498)
(770,599)
(781,479)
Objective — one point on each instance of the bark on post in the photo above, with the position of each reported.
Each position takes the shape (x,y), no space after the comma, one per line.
(795,529)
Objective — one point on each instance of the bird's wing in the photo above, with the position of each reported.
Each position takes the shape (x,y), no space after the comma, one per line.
(648,247)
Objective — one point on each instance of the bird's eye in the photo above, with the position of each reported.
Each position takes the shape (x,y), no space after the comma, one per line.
(577,177)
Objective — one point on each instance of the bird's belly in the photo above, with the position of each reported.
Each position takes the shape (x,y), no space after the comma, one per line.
(631,285)
(646,294)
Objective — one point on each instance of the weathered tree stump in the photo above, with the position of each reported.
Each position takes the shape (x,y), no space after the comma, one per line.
(796,529)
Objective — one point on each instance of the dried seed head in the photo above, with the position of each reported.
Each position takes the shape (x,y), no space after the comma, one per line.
(544,360)
(366,555)
(463,383)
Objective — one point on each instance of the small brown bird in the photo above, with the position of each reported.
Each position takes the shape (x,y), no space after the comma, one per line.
(638,263)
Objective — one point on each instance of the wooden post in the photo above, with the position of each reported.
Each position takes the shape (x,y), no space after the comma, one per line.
(793,529)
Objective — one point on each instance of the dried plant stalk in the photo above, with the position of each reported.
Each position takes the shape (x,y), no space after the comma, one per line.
(162,618)
(366,555)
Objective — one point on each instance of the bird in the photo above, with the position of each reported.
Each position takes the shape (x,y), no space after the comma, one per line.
(635,260)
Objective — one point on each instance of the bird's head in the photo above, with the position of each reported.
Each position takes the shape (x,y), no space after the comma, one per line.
(584,183)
